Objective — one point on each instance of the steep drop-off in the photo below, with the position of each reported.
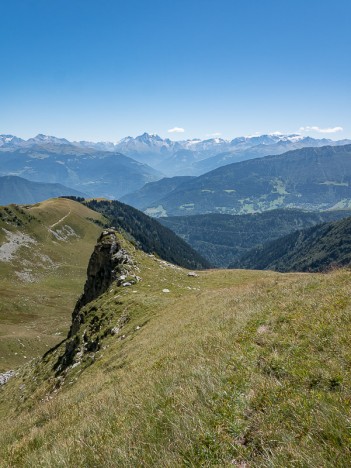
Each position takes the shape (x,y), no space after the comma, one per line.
(148,234)
(223,239)
(318,248)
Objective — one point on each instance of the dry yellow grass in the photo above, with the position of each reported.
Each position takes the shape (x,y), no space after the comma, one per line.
(238,368)
(35,314)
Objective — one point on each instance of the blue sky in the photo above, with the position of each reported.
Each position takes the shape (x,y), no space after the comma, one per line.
(104,69)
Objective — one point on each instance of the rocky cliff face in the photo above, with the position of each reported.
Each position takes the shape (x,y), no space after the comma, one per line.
(109,264)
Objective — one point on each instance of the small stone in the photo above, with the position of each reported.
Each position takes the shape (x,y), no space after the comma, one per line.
(126,284)
(262,329)
(6,376)
(114,330)
(193,274)
(137,328)
(165,290)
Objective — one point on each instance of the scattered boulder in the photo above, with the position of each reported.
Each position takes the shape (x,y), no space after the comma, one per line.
(6,376)
(193,274)
(166,290)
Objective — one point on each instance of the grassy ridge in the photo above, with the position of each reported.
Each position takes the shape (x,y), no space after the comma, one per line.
(228,368)
(40,284)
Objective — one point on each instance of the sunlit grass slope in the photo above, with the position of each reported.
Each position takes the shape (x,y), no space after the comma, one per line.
(45,273)
(230,368)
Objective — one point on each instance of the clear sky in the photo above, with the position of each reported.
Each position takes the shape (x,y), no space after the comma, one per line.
(104,69)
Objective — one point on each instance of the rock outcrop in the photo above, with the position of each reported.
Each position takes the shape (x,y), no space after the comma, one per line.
(109,264)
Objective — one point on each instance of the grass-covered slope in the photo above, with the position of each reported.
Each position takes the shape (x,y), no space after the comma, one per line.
(318,248)
(149,234)
(307,178)
(222,239)
(44,252)
(229,368)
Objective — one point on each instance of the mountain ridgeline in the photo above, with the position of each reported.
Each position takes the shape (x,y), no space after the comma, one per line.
(308,178)
(148,234)
(178,158)
(14,189)
(87,170)
(318,248)
(153,191)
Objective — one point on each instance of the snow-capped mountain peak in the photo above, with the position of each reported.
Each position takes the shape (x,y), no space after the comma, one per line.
(48,139)
(185,157)
(9,140)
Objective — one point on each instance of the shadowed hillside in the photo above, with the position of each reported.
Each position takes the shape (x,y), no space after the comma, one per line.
(319,248)
(149,234)
(223,239)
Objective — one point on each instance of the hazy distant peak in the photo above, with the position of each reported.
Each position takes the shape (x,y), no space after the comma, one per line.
(48,139)
(146,137)
(9,140)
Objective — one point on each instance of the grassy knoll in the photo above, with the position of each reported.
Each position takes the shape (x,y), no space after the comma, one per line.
(230,368)
(44,275)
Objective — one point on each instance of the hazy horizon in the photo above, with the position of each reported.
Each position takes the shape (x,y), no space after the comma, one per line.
(328,136)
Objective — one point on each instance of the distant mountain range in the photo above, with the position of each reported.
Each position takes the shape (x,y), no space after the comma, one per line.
(153,191)
(318,248)
(312,177)
(94,172)
(187,157)
(309,179)
(17,190)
